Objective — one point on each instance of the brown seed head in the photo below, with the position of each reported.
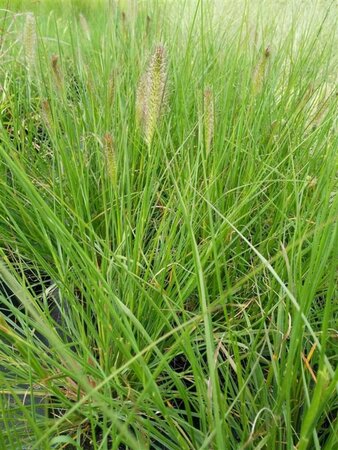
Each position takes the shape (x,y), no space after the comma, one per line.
(209,118)
(259,74)
(110,156)
(85,27)
(57,71)
(30,41)
(152,93)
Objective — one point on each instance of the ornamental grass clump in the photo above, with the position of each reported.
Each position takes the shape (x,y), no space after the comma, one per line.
(151,94)
(158,281)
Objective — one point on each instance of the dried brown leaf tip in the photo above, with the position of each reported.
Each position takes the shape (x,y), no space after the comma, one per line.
(151,95)
(110,156)
(259,74)
(30,41)
(209,118)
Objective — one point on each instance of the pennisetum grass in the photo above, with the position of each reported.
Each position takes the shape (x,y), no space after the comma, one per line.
(57,73)
(209,118)
(260,72)
(30,42)
(46,114)
(152,93)
(110,156)
(184,297)
(84,26)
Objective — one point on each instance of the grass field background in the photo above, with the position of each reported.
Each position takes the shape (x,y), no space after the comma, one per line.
(168,225)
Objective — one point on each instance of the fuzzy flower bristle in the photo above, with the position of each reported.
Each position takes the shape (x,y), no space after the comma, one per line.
(152,93)
(46,114)
(111,88)
(259,73)
(30,41)
(110,156)
(209,118)
(85,27)
(57,72)
(141,101)
(129,9)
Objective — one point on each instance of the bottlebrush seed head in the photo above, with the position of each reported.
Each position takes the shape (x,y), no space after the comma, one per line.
(258,76)
(152,93)
(85,27)
(110,156)
(46,114)
(57,71)
(209,118)
(30,41)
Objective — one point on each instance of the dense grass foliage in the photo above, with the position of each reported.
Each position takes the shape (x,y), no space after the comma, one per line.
(168,225)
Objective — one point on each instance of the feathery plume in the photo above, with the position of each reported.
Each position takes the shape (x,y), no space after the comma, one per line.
(259,73)
(151,93)
(84,25)
(46,114)
(110,155)
(148,23)
(311,181)
(57,72)
(209,118)
(141,101)
(111,88)
(129,9)
(321,104)
(30,41)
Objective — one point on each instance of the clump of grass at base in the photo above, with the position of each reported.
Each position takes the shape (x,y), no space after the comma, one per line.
(168,262)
